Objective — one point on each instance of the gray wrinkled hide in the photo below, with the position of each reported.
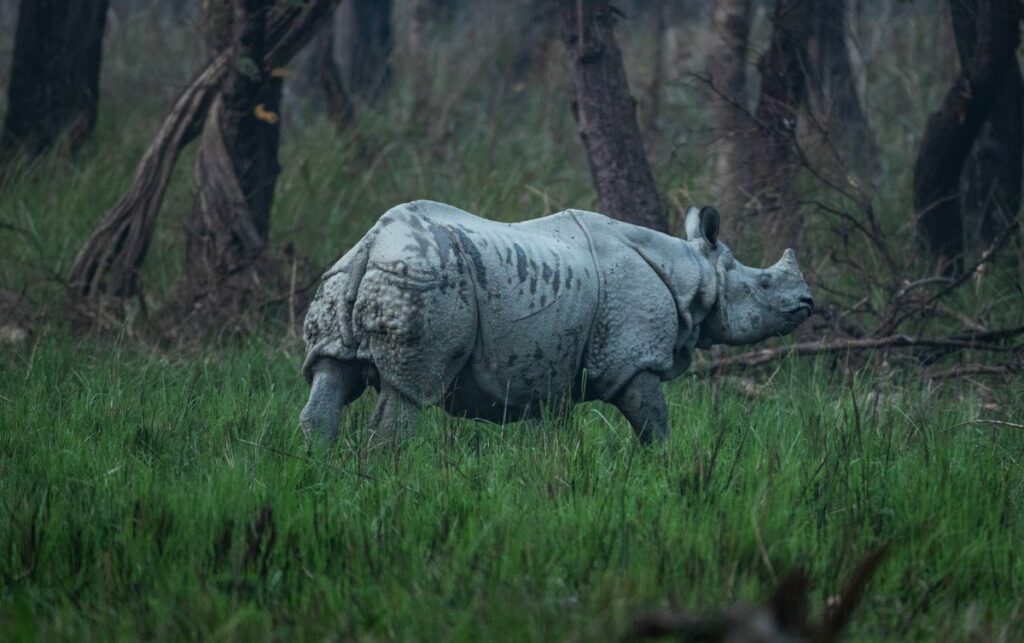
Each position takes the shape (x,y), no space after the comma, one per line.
(437,306)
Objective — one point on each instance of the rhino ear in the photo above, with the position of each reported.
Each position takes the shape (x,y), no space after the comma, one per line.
(709,224)
(692,224)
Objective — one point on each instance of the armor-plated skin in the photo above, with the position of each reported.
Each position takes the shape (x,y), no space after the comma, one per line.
(495,320)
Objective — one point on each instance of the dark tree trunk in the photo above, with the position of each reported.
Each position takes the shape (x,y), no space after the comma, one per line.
(991,181)
(371,46)
(236,173)
(727,68)
(783,88)
(838,117)
(106,269)
(606,116)
(55,72)
(951,131)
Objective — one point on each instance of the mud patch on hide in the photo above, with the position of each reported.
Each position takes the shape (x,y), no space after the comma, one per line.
(520,263)
(475,257)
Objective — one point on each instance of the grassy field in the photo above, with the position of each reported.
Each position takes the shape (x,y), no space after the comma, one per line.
(152,496)
(156,491)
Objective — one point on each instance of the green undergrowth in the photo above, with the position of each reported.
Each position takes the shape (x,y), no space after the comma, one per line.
(150,495)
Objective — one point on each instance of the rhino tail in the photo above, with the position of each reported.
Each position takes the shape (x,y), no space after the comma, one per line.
(329,330)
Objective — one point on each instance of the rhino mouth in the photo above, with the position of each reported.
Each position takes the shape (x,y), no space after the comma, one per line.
(802,311)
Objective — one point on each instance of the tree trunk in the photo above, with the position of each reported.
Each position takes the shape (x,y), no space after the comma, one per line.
(55,71)
(420,57)
(371,46)
(990,185)
(992,176)
(783,87)
(236,173)
(839,120)
(606,116)
(951,131)
(105,272)
(652,111)
(727,68)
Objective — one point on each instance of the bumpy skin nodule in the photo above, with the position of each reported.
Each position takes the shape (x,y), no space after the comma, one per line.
(495,320)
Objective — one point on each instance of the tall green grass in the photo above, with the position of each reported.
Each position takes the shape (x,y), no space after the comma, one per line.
(153,496)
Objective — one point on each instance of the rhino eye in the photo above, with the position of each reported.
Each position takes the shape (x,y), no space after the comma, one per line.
(766,281)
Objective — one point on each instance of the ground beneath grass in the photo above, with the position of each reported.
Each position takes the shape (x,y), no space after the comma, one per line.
(149,495)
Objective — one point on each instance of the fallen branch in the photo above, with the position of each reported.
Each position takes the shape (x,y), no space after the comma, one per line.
(1002,423)
(989,341)
(969,370)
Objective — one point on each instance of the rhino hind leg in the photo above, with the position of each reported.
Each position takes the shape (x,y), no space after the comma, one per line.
(643,404)
(395,416)
(335,384)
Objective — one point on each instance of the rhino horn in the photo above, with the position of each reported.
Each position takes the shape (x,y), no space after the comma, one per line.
(788,261)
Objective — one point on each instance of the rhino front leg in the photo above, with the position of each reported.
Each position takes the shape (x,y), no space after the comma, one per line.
(643,404)
(335,384)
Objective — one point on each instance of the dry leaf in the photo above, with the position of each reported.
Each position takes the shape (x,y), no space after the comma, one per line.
(265,114)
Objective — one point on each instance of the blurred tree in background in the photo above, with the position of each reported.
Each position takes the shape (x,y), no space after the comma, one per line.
(53,92)
(988,34)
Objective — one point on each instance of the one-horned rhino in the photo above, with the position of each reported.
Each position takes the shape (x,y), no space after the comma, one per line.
(494,320)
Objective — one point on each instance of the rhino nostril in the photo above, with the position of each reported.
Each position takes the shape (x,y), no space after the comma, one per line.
(808,301)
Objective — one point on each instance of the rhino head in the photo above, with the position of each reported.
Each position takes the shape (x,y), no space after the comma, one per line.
(752,303)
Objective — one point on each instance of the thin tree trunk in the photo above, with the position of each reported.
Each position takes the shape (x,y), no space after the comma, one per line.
(727,68)
(606,116)
(951,132)
(371,46)
(783,89)
(539,28)
(105,272)
(340,110)
(652,111)
(53,90)
(420,58)
(991,181)
(834,104)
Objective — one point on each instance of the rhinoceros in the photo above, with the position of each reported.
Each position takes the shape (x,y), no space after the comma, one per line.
(436,306)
